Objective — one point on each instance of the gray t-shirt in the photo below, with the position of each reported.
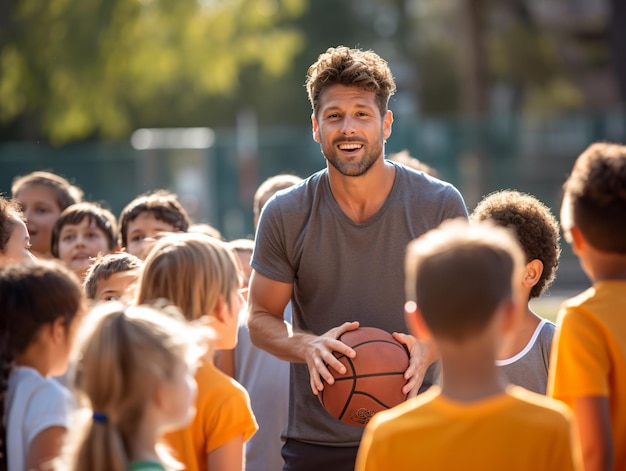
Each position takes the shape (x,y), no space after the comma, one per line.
(529,368)
(343,271)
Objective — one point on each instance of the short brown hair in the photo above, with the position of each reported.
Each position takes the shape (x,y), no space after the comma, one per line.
(458,274)
(162,204)
(595,196)
(354,68)
(107,265)
(74,214)
(536,229)
(65,193)
(268,188)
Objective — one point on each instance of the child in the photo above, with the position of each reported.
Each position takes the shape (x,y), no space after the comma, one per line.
(42,196)
(526,361)
(41,303)
(148,217)
(113,277)
(588,366)
(199,274)
(82,232)
(135,373)
(14,238)
(462,284)
(265,377)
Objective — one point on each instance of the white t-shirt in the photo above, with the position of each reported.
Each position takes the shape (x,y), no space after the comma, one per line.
(33,404)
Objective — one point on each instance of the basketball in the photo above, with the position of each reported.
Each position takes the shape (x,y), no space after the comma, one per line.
(373,379)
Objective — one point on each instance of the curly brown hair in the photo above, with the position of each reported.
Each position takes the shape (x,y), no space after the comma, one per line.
(9,212)
(534,225)
(354,68)
(596,194)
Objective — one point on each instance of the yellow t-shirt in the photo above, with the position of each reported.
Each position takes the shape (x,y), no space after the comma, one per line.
(589,354)
(223,412)
(517,430)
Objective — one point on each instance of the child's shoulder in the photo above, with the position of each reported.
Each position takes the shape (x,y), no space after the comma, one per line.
(538,408)
(604,303)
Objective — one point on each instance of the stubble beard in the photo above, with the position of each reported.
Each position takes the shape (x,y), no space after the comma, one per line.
(353,168)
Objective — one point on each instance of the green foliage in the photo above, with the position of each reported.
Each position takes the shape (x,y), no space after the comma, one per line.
(96,67)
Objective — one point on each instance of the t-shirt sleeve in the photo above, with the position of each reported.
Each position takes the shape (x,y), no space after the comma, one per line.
(270,257)
(232,416)
(579,366)
(50,406)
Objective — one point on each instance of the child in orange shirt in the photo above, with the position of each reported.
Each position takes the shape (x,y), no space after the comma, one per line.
(588,366)
(200,275)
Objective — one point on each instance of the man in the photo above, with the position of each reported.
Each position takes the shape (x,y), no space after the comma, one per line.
(335,246)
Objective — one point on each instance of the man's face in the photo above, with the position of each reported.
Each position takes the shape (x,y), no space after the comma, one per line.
(350,130)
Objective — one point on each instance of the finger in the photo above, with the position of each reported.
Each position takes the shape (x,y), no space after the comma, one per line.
(339,347)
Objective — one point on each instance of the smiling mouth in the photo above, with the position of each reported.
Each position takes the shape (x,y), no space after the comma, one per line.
(350,147)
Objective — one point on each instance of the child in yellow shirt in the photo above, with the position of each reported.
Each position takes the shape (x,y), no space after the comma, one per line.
(588,365)
(462,284)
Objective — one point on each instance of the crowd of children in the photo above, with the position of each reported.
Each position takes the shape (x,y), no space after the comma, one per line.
(140,315)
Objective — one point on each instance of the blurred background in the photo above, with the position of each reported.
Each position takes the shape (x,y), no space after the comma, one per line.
(206,97)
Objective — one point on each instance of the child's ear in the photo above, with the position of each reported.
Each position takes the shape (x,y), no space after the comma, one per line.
(578,240)
(221,311)
(58,329)
(532,273)
(415,322)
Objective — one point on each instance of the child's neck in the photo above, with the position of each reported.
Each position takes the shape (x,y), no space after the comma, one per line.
(469,372)
(522,336)
(35,356)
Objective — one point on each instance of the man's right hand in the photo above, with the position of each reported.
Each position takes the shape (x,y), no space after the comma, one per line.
(319,355)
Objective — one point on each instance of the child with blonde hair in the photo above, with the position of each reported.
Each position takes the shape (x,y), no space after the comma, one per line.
(134,370)
(41,303)
(43,196)
(200,275)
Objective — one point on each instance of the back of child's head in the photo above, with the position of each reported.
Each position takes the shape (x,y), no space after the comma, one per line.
(537,230)
(459,274)
(268,188)
(403,157)
(32,294)
(595,197)
(123,354)
(207,229)
(9,212)
(162,204)
(107,265)
(95,214)
(190,270)
(65,193)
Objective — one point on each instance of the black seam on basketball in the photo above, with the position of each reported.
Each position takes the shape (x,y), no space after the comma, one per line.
(395,344)
(355,377)
(361,393)
(349,398)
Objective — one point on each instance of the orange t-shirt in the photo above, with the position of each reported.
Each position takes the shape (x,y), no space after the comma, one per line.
(589,355)
(515,431)
(223,412)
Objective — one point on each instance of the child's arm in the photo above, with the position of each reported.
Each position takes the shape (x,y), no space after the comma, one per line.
(596,439)
(229,456)
(45,447)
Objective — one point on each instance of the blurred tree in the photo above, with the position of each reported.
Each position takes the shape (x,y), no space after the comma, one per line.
(71,69)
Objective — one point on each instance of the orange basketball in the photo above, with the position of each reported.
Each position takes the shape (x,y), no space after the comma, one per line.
(373,379)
